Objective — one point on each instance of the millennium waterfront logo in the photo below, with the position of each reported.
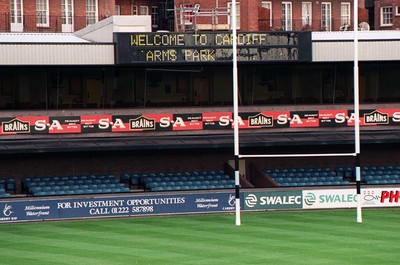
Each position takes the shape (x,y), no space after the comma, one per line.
(7,211)
(142,123)
(261,120)
(15,126)
(310,199)
(376,117)
(251,200)
(232,200)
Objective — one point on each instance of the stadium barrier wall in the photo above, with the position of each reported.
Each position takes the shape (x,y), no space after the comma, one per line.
(320,199)
(42,209)
(97,207)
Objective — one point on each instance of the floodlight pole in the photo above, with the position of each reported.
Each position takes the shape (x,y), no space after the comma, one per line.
(235,111)
(357,113)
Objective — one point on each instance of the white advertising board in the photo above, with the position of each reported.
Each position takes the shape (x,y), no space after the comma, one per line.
(347,198)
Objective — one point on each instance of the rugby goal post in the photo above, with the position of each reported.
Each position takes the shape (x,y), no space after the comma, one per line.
(237,154)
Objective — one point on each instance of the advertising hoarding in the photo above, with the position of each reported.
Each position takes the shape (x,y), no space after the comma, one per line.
(194,121)
(68,208)
(347,198)
(272,200)
(169,204)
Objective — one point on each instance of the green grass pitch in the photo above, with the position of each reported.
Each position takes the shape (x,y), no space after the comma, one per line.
(304,237)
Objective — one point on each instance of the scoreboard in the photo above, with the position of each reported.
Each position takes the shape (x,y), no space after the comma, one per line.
(211,47)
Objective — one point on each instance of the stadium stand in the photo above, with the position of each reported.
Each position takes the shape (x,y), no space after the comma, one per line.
(72,185)
(192,180)
(381,174)
(188,180)
(297,177)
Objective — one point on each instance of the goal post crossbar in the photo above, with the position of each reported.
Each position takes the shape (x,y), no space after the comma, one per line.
(298,155)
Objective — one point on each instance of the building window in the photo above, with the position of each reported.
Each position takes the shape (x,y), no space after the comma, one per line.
(154,16)
(345,15)
(306,14)
(117,10)
(67,11)
(237,14)
(287,16)
(326,23)
(386,16)
(268,4)
(16,11)
(42,13)
(67,15)
(144,10)
(91,12)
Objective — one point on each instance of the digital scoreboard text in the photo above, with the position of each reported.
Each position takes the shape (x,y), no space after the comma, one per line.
(211,47)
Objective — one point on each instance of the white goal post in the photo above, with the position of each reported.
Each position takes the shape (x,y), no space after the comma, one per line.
(237,154)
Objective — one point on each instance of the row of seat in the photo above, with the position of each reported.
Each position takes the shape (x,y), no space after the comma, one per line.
(184,178)
(366,170)
(30,184)
(67,178)
(135,178)
(388,167)
(192,180)
(339,176)
(71,185)
(87,191)
(190,185)
(317,183)
(306,177)
(188,180)
(194,187)
(179,174)
(381,179)
(375,175)
(79,187)
(380,172)
(298,170)
(303,174)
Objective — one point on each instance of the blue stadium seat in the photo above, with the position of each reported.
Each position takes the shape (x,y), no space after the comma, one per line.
(88,191)
(39,194)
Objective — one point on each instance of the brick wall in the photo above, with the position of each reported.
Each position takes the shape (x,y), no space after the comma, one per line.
(248,8)
(396,18)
